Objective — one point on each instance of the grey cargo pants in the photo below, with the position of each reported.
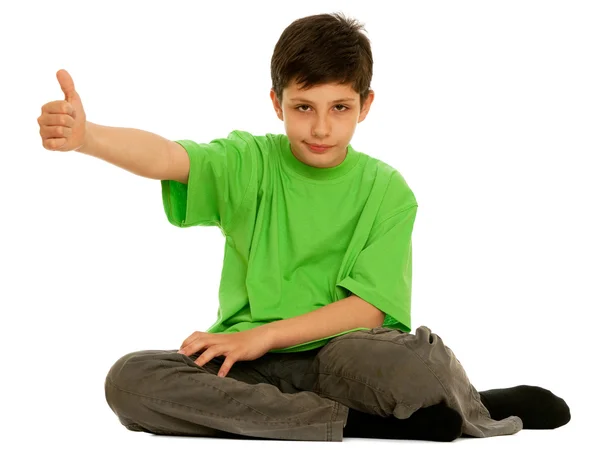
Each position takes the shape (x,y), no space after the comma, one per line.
(297,396)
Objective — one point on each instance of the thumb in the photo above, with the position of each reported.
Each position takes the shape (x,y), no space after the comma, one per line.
(67,85)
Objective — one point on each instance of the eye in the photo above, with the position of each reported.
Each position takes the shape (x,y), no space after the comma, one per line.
(308,106)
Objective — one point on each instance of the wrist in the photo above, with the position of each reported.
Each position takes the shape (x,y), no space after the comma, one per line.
(268,334)
(87,140)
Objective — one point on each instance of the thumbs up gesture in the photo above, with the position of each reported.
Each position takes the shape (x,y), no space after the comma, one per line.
(63,122)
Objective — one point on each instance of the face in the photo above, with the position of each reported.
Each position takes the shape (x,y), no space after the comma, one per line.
(322,115)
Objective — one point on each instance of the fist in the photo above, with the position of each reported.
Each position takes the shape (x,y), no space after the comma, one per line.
(63,122)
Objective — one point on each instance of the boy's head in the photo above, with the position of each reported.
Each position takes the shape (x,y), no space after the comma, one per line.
(318,63)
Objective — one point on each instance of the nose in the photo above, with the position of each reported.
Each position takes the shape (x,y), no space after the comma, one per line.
(321,128)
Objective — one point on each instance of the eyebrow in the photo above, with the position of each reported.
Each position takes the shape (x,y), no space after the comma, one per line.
(298,99)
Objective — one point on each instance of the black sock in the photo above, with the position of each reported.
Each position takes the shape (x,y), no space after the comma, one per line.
(538,408)
(434,423)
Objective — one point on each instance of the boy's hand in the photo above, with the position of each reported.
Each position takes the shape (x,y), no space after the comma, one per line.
(242,346)
(62,123)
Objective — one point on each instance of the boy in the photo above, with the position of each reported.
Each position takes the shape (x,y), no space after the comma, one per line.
(312,340)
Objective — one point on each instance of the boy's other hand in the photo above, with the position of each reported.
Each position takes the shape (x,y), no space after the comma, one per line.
(63,122)
(242,346)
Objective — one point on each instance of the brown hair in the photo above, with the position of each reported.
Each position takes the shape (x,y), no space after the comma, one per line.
(324,48)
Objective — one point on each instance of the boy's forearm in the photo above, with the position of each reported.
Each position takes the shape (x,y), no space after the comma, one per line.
(346,314)
(140,152)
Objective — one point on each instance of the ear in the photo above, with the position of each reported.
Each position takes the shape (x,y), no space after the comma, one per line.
(366,106)
(276,105)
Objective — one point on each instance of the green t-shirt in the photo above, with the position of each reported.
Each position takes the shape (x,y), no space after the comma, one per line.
(298,237)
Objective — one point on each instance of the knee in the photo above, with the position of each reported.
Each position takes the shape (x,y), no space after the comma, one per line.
(379,354)
(132,374)
(123,373)
(133,368)
(380,367)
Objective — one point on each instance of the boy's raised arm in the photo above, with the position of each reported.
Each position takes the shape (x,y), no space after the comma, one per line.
(140,152)
(63,127)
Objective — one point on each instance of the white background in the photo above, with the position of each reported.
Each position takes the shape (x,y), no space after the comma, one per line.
(488,109)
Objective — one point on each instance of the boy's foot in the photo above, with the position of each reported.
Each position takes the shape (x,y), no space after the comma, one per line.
(434,423)
(538,408)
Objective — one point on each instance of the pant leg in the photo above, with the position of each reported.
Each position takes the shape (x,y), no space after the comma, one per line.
(387,372)
(164,392)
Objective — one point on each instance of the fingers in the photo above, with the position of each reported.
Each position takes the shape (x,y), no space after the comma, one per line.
(54,144)
(49,119)
(56,124)
(209,354)
(198,341)
(55,132)
(58,107)
(194,346)
(226,366)
(192,337)
(54,137)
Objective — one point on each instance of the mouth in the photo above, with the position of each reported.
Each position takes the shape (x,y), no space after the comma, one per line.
(318,148)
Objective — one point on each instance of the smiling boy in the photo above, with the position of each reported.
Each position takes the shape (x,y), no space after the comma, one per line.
(312,339)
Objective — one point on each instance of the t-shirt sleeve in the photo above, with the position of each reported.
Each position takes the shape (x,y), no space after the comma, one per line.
(382,272)
(219,177)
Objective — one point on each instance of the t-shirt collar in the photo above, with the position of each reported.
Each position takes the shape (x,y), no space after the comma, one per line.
(318,173)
